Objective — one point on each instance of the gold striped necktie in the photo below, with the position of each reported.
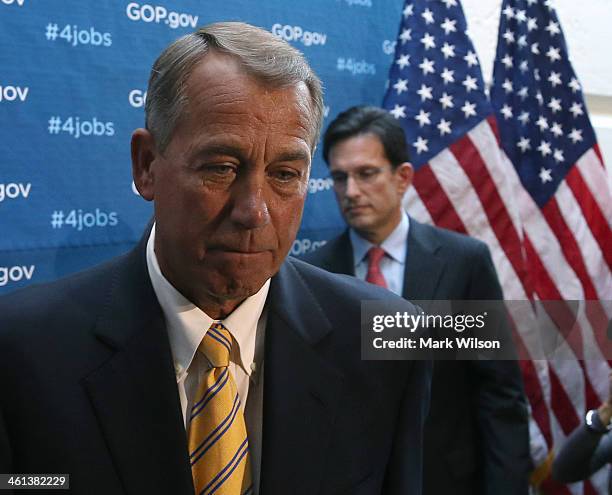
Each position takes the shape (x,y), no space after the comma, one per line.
(218,443)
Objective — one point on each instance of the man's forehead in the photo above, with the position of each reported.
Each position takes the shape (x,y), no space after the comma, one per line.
(214,63)
(359,147)
(220,88)
(218,69)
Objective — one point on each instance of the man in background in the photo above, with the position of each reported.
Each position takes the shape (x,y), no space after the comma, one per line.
(205,361)
(476,436)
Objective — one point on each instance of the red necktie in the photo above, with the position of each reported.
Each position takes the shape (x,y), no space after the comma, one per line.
(375,276)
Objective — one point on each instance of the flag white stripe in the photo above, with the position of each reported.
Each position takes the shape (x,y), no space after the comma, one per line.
(571,376)
(526,323)
(594,362)
(456,184)
(547,246)
(506,181)
(544,240)
(414,205)
(541,366)
(595,176)
(538,443)
(538,448)
(461,194)
(598,271)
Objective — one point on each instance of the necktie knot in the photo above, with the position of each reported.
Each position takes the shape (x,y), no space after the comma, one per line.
(217,345)
(375,254)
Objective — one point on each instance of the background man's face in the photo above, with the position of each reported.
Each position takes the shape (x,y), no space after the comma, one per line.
(367,188)
(229,189)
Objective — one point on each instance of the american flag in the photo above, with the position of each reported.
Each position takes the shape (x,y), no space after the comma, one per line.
(466,182)
(546,133)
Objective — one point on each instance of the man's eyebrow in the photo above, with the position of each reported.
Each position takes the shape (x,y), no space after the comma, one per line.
(218,149)
(363,166)
(293,156)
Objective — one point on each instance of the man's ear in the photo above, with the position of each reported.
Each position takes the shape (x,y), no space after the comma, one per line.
(404,173)
(144,153)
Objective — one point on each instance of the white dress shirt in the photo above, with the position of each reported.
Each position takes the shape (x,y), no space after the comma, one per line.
(187,324)
(393,264)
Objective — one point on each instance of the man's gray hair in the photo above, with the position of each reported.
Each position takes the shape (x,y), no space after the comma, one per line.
(262,55)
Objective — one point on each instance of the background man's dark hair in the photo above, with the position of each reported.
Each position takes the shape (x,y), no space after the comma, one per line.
(366,120)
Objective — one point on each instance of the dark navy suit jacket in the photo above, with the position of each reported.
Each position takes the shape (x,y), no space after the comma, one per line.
(476,436)
(88,388)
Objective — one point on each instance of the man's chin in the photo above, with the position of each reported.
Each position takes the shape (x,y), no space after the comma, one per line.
(238,284)
(219,299)
(359,222)
(224,286)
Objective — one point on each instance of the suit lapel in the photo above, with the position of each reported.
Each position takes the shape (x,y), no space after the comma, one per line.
(339,255)
(301,390)
(423,267)
(134,393)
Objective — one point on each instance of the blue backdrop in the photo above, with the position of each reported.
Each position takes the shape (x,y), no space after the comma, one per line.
(73,77)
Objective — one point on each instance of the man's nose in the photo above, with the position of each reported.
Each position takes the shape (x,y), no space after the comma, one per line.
(352,187)
(250,207)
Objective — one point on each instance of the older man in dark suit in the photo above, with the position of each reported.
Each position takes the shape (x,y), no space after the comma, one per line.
(476,436)
(204,361)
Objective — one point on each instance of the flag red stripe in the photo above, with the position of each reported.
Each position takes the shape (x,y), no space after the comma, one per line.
(564,409)
(436,201)
(560,402)
(598,318)
(569,246)
(561,315)
(551,487)
(593,215)
(494,207)
(564,319)
(495,128)
(533,389)
(599,155)
(547,290)
(588,488)
(571,251)
(535,395)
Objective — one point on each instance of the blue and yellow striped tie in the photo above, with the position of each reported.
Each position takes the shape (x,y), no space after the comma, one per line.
(218,444)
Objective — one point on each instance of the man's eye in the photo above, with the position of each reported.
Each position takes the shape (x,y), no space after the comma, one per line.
(368,173)
(220,171)
(339,178)
(285,175)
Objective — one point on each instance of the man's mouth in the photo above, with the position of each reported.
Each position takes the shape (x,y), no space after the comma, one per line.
(355,208)
(239,250)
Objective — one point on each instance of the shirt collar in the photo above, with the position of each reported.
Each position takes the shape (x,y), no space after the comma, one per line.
(187,324)
(394,245)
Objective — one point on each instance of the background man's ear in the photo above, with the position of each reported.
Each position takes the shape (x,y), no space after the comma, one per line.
(405,173)
(144,153)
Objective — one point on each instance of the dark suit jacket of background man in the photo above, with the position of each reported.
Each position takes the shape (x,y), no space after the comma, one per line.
(88,388)
(472,402)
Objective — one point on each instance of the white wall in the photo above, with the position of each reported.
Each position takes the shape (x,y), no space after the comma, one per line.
(586,25)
